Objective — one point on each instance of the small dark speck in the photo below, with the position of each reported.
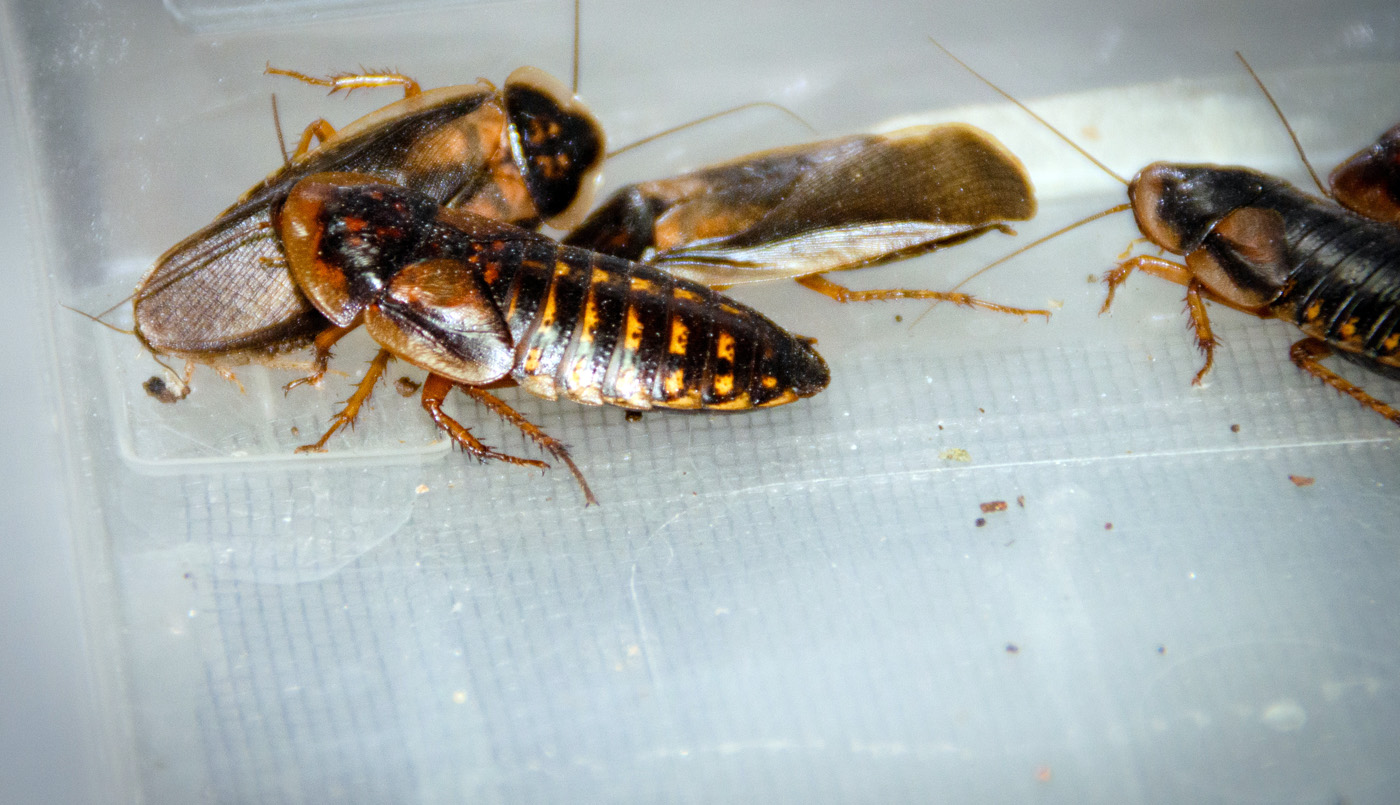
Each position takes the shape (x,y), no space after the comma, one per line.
(1234,428)
(1161,649)
(633,416)
(981,410)
(1012,648)
(979,522)
(898,318)
(296,431)
(189,576)
(1021,501)
(1108,526)
(940,427)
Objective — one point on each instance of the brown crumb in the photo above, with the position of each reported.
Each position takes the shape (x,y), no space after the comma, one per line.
(1301,480)
(993,506)
(1235,428)
(296,431)
(406,387)
(898,318)
(1108,526)
(1021,501)
(979,522)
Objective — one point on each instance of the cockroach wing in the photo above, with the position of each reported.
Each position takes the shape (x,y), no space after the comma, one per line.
(1369,182)
(222,292)
(870,200)
(438,315)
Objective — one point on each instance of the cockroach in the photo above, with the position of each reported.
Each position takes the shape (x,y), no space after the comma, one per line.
(1258,244)
(526,153)
(479,304)
(802,211)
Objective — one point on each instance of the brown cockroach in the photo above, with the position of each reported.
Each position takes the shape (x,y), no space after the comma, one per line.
(1257,244)
(526,153)
(802,211)
(479,304)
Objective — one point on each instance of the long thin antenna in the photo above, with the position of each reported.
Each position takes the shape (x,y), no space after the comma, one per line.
(707,118)
(99,320)
(1003,93)
(277,125)
(576,27)
(1317,181)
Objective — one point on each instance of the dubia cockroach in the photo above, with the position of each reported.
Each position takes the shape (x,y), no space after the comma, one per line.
(479,303)
(526,153)
(1256,243)
(802,211)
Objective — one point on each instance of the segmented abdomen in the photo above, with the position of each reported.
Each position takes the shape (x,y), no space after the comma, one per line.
(1345,281)
(598,329)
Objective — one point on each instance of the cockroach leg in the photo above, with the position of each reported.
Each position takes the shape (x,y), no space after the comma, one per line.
(532,431)
(326,339)
(352,406)
(320,130)
(349,82)
(1200,322)
(1308,355)
(435,390)
(840,293)
(1156,266)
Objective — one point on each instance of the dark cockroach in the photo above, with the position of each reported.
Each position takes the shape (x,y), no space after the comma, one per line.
(479,304)
(1256,243)
(526,153)
(801,211)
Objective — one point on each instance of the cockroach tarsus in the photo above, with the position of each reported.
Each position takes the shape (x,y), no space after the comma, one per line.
(480,304)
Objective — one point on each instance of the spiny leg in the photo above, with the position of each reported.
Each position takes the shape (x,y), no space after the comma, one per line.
(320,130)
(1308,354)
(349,82)
(352,406)
(546,442)
(1200,323)
(325,339)
(842,294)
(435,390)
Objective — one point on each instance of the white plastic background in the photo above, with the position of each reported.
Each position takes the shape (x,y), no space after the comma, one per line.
(794,605)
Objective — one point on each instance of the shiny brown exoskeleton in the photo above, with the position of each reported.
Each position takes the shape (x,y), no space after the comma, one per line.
(526,153)
(801,211)
(479,303)
(1369,182)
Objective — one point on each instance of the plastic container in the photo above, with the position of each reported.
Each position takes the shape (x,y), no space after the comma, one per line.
(804,604)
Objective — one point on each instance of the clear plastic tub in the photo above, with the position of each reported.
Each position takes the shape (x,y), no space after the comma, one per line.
(807,603)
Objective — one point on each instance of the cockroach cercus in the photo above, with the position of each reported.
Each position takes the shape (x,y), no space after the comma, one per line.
(479,304)
(1258,244)
(526,153)
(801,211)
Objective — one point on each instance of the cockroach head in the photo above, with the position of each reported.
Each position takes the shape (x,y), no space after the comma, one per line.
(1176,206)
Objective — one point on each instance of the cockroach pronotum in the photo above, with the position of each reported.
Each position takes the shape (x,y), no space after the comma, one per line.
(479,303)
(526,153)
(801,211)
(1257,244)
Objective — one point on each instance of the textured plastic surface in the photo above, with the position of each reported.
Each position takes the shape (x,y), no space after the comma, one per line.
(807,603)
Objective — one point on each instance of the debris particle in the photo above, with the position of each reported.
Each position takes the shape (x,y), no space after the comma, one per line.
(296,431)
(421,489)
(993,506)
(1235,428)
(1012,648)
(1161,649)
(955,454)
(898,318)
(1108,526)
(1042,773)
(1301,480)
(979,522)
(158,388)
(1021,501)
(406,387)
